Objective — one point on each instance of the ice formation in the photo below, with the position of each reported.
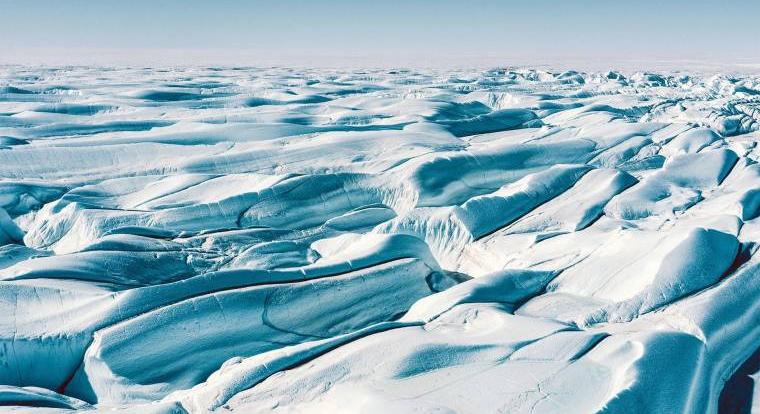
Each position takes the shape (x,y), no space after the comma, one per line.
(381,241)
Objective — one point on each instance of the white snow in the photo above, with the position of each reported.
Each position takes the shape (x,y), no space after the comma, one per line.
(378,241)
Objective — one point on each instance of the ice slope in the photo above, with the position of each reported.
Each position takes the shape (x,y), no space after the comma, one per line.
(193,240)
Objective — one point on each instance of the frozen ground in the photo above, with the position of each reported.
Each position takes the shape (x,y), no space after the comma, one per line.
(303,241)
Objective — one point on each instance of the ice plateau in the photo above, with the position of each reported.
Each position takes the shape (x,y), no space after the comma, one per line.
(256,240)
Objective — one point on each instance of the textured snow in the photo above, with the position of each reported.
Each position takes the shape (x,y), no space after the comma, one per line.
(378,241)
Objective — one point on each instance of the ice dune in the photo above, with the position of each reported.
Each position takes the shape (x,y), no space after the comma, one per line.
(193,240)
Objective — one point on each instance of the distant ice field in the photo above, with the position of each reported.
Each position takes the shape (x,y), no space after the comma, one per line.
(257,240)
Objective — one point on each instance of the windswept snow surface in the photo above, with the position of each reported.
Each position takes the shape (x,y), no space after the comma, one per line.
(381,241)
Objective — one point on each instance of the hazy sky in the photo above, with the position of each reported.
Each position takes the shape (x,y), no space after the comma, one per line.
(406,30)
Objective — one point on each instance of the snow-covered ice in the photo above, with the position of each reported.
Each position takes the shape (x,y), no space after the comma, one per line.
(378,241)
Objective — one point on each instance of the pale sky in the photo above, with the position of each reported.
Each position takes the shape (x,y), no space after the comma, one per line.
(391,31)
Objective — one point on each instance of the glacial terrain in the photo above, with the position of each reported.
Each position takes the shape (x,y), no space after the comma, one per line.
(270,240)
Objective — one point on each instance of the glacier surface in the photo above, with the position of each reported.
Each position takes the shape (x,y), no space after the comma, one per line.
(193,240)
